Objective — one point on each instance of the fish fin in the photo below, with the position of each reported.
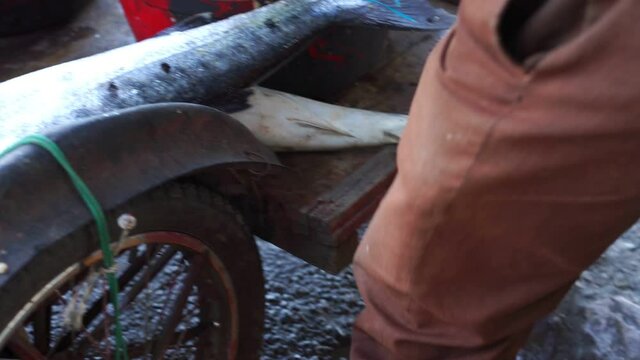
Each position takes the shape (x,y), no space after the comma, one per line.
(335,130)
(396,14)
(394,137)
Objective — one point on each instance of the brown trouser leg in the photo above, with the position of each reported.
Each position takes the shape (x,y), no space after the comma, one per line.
(510,183)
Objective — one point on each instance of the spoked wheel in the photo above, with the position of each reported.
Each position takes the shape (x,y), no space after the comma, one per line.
(190,281)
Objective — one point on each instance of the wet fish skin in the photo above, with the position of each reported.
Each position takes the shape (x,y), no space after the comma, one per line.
(190,66)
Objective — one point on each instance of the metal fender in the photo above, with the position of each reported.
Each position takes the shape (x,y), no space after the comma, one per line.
(119,155)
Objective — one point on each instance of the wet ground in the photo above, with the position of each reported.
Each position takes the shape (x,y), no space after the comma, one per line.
(600,317)
(309,313)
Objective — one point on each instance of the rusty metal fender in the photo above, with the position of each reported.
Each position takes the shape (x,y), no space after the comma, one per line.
(119,155)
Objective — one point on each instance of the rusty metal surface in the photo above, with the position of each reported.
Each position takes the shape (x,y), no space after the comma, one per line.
(134,151)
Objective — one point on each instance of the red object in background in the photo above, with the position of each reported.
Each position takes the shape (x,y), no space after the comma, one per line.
(148,17)
(146,20)
(332,62)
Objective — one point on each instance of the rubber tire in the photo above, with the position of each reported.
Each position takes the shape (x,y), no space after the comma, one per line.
(185,208)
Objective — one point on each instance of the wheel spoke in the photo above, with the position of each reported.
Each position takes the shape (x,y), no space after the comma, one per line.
(175,314)
(168,287)
(136,265)
(25,350)
(172,305)
(208,314)
(96,308)
(149,273)
(42,328)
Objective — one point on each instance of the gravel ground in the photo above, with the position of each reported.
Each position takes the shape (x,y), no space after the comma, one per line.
(310,313)
(600,317)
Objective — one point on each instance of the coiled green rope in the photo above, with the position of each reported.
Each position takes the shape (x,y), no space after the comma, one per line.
(101,223)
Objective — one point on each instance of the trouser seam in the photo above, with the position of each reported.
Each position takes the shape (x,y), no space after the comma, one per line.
(412,303)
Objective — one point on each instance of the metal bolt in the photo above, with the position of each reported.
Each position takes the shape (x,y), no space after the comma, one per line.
(127,222)
(3,268)
(433,19)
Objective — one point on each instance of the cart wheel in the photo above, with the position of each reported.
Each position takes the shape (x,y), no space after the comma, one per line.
(191,287)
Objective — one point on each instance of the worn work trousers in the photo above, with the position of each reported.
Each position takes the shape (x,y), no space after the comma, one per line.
(511,182)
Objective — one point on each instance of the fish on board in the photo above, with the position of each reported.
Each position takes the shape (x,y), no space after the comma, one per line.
(287,122)
(191,66)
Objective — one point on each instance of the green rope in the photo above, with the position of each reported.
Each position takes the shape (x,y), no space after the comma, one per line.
(101,222)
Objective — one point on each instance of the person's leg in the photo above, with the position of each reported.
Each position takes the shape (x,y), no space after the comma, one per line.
(510,183)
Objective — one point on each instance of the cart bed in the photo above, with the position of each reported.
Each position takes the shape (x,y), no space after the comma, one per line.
(322,199)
